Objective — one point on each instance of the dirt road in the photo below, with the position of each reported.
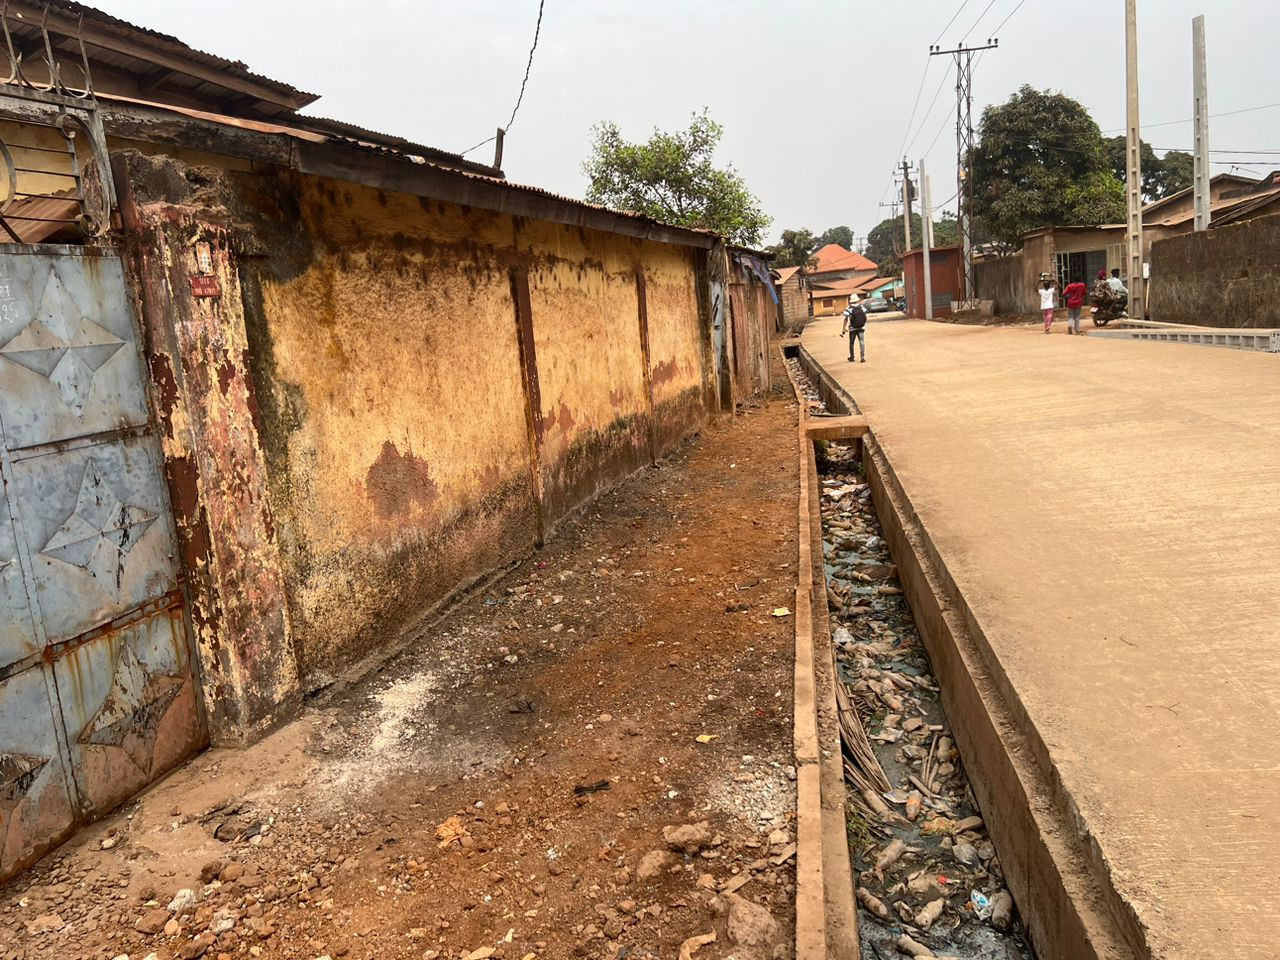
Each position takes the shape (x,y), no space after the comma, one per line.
(500,787)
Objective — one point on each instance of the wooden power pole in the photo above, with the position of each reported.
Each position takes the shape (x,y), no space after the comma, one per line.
(1133,165)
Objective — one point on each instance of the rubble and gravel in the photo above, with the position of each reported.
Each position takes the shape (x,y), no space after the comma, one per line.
(500,787)
(929,880)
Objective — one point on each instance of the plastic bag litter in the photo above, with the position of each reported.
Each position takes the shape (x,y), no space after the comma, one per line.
(981,904)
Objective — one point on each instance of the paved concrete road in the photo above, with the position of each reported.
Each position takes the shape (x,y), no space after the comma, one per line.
(1111,513)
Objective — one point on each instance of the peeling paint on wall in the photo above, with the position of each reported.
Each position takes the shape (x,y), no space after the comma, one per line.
(380,380)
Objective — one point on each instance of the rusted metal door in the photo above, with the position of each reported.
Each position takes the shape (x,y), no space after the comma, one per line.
(97,690)
(720,349)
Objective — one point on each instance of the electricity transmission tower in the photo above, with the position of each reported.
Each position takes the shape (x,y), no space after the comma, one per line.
(964,152)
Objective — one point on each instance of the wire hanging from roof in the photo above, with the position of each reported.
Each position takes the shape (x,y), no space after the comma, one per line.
(537,32)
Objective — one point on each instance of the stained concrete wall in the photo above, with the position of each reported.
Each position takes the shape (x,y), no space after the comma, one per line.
(1002,281)
(434,387)
(1225,277)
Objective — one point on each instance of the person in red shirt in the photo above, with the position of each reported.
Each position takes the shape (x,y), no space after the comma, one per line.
(1075,294)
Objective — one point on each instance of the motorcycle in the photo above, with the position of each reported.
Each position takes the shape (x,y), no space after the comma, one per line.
(1107,304)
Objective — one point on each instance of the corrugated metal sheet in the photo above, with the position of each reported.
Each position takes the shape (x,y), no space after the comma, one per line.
(147,38)
(440,159)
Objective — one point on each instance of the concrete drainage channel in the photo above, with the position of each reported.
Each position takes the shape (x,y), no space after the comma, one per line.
(920,655)
(927,877)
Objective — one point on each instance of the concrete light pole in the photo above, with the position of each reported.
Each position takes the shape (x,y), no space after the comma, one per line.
(926,239)
(906,204)
(1133,165)
(1200,73)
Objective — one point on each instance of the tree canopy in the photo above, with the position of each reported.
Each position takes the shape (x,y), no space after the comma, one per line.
(1161,176)
(886,240)
(795,249)
(1037,164)
(838,235)
(673,177)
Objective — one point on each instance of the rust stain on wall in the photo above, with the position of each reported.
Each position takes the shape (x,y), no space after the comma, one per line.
(397,481)
(213,463)
(369,316)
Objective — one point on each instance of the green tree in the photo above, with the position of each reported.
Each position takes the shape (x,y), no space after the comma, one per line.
(1177,170)
(1098,198)
(1161,176)
(839,235)
(1032,151)
(795,249)
(946,231)
(885,242)
(673,177)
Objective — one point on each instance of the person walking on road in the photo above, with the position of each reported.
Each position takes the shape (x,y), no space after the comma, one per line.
(855,324)
(1075,294)
(1048,295)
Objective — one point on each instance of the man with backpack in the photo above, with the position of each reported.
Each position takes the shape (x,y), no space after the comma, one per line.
(855,324)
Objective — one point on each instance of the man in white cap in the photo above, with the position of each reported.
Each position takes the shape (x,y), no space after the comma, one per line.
(855,324)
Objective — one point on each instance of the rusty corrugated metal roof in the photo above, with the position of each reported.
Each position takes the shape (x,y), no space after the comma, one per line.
(31,12)
(436,158)
(35,219)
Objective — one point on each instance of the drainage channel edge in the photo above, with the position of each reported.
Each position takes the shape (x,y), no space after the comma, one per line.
(1052,864)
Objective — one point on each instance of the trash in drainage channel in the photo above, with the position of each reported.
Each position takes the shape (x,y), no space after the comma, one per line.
(928,880)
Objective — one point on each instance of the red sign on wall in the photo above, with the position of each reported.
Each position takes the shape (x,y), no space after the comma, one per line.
(205,287)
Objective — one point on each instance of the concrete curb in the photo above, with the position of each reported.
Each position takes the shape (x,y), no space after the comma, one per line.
(1055,872)
(826,918)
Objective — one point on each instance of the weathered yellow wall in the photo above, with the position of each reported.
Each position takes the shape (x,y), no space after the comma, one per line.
(401,459)
(387,358)
(586,326)
(678,342)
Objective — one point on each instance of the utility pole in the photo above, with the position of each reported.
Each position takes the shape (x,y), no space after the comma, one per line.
(964,153)
(926,241)
(1133,165)
(906,202)
(1200,74)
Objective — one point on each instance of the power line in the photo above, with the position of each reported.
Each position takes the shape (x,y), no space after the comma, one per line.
(537,31)
(1008,18)
(950,22)
(1212,116)
(920,89)
(978,21)
(928,112)
(528,66)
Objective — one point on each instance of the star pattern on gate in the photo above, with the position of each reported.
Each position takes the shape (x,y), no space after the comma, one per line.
(130,714)
(100,532)
(18,771)
(62,345)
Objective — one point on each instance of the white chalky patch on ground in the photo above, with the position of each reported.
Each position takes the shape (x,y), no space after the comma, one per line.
(395,733)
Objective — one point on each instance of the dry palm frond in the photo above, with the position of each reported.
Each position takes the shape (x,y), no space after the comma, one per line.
(862,768)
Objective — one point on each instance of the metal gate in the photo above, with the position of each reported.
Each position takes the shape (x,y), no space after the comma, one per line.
(97,692)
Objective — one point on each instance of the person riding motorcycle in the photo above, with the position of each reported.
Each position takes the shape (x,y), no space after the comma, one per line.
(1109,297)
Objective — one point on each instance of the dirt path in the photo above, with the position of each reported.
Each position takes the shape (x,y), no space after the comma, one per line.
(503,783)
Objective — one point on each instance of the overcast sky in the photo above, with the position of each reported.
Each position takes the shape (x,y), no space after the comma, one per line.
(814,96)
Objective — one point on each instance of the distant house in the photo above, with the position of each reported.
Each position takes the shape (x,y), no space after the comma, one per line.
(830,299)
(1081,252)
(793,301)
(890,287)
(834,262)
(833,274)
